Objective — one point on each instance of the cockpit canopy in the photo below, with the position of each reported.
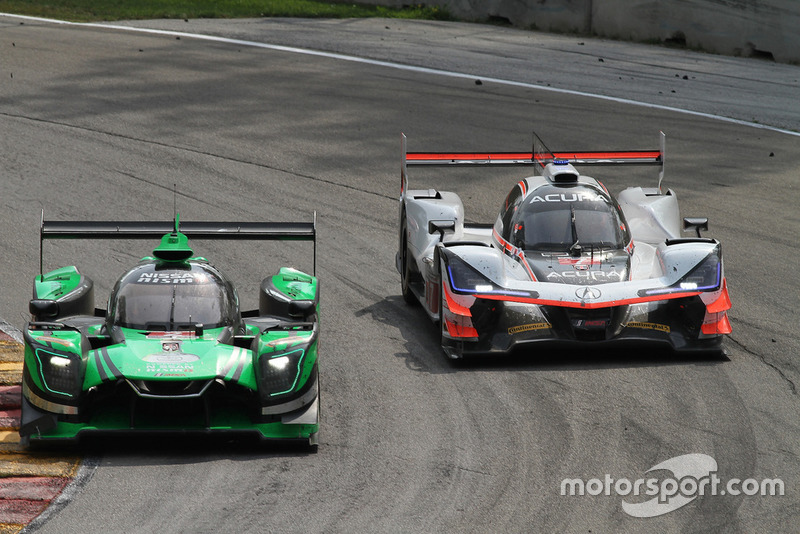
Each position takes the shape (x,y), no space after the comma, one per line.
(173,296)
(561,218)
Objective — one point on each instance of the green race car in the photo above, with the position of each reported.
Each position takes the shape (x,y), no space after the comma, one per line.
(173,351)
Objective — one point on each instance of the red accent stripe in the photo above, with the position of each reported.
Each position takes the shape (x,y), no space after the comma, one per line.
(578,261)
(509,249)
(527,266)
(503,243)
(587,305)
(452,305)
(460,331)
(447,156)
(653,155)
(627,154)
(721,326)
(723,303)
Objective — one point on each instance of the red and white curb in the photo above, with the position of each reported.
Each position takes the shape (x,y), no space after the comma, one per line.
(30,482)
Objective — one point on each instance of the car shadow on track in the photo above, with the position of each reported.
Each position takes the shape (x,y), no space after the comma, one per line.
(420,340)
(424,354)
(130,448)
(583,359)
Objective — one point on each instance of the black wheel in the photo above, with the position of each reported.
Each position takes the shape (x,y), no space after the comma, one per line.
(442,324)
(312,447)
(405,273)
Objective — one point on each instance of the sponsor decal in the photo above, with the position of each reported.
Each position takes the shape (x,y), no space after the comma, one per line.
(528,327)
(171,335)
(159,368)
(172,278)
(287,341)
(171,346)
(578,261)
(569,197)
(585,275)
(171,357)
(590,323)
(649,326)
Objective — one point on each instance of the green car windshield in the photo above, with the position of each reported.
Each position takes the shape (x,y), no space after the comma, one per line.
(149,298)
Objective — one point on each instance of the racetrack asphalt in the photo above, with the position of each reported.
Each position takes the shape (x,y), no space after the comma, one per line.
(93,118)
(636,74)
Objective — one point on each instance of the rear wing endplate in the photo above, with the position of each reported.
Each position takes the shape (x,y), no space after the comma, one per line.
(540,155)
(270,231)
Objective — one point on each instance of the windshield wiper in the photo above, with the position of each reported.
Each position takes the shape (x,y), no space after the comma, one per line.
(172,309)
(575,249)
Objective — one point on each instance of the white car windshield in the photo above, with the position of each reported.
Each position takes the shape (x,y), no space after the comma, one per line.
(557,221)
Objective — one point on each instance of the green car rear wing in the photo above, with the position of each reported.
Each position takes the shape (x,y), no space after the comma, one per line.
(281,231)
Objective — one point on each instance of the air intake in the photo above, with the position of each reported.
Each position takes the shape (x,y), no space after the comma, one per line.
(560,172)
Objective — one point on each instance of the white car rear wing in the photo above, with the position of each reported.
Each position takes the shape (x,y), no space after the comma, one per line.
(540,155)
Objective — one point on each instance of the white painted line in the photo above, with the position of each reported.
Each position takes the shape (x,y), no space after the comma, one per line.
(83,476)
(410,68)
(9,330)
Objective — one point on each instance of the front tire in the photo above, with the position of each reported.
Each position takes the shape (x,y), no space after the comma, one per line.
(405,272)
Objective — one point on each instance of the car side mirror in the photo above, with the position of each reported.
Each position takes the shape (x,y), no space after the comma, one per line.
(44,309)
(695,223)
(301,309)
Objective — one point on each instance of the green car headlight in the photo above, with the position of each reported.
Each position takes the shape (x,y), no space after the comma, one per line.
(280,371)
(60,372)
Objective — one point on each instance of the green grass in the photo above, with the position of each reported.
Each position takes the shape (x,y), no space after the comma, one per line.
(100,10)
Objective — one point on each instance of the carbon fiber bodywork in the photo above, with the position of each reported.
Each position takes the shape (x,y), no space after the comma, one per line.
(173,352)
(564,264)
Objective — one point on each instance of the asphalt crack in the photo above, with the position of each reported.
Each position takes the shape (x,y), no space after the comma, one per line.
(763,359)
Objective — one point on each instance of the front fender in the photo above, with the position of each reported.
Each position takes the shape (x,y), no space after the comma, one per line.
(54,366)
(424,207)
(284,360)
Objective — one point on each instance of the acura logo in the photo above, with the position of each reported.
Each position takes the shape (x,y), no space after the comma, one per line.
(587,293)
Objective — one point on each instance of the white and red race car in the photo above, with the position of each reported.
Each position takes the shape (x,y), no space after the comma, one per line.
(565,263)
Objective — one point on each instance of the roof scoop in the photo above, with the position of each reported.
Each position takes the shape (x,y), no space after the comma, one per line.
(174,246)
(560,172)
